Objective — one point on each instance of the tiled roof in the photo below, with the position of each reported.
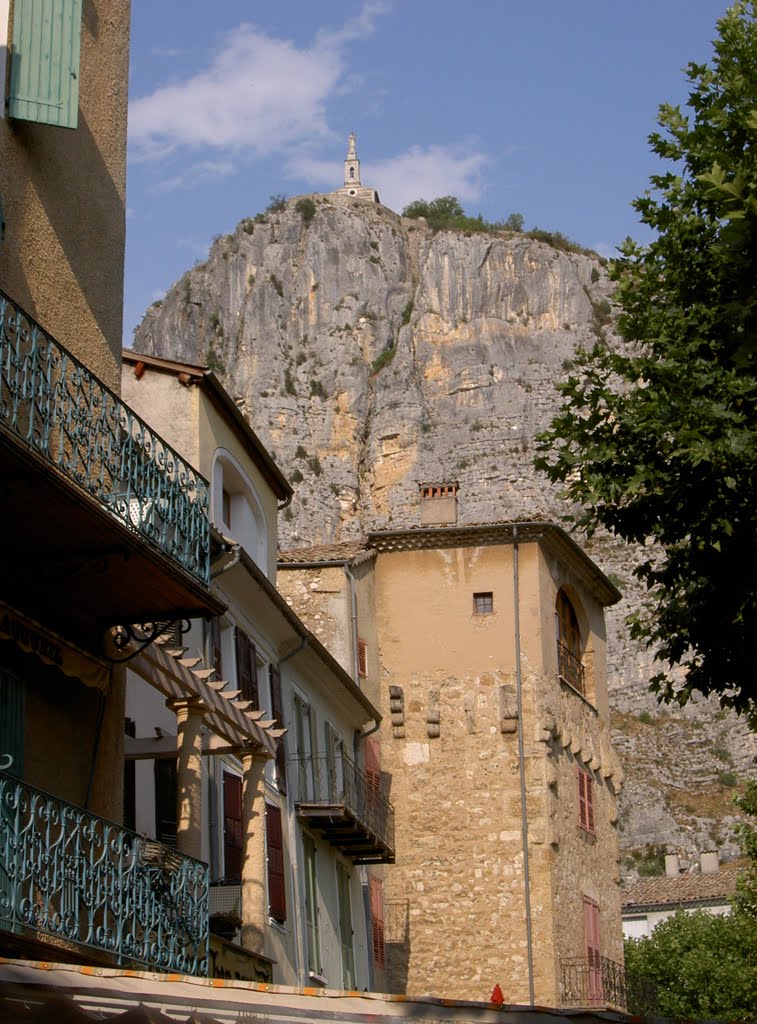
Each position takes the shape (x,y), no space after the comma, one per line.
(688,888)
(344,552)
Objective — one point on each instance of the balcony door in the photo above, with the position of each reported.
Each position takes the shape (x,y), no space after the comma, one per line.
(305,739)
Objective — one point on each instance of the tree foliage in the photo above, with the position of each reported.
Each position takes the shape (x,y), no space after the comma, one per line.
(657,440)
(700,966)
(745,899)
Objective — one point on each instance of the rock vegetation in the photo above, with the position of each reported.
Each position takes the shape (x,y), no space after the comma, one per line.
(373,354)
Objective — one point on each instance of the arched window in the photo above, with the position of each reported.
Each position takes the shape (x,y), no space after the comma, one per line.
(569,646)
(236,508)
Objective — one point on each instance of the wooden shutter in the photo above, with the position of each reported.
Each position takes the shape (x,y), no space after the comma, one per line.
(373,765)
(362,657)
(345,926)
(214,642)
(591,940)
(247,668)
(277,906)
(44,64)
(585,801)
(376,889)
(165,801)
(232,826)
(277,713)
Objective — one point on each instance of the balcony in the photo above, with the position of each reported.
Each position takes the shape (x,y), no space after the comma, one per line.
(77,883)
(335,798)
(570,669)
(595,982)
(90,492)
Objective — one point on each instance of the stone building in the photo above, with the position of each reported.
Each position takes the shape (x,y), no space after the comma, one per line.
(484,647)
(353,187)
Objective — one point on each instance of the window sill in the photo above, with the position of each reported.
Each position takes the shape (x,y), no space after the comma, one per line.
(586,835)
(317,978)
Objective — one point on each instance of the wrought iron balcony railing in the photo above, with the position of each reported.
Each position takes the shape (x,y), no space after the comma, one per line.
(570,669)
(63,413)
(593,981)
(347,806)
(67,876)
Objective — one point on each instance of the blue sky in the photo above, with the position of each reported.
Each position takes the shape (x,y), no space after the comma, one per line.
(537,106)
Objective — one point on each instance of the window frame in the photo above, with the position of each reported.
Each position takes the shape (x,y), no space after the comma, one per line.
(311,921)
(483,603)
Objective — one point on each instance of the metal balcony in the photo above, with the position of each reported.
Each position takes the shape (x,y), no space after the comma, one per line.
(593,982)
(570,669)
(89,489)
(69,879)
(338,800)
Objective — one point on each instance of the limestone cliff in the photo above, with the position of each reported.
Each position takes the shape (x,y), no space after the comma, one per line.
(371,355)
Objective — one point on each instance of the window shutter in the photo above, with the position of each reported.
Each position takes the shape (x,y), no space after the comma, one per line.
(585,801)
(277,906)
(277,713)
(591,940)
(373,764)
(376,888)
(214,640)
(44,63)
(232,826)
(165,801)
(247,669)
(362,657)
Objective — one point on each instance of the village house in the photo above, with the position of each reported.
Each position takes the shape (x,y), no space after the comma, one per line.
(298,886)
(484,647)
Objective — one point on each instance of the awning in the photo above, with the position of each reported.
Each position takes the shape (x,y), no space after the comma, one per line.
(36,639)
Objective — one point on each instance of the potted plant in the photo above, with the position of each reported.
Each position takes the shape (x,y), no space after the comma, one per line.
(225,924)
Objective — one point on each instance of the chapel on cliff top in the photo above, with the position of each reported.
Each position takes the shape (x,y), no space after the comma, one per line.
(352,186)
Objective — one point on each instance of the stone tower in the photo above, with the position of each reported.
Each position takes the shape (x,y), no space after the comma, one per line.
(352,186)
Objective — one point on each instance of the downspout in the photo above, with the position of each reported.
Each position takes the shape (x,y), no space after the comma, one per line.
(233,561)
(294,865)
(353,608)
(522,768)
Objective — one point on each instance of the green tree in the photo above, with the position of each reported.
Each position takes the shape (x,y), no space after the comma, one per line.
(656,441)
(439,211)
(745,899)
(514,222)
(699,965)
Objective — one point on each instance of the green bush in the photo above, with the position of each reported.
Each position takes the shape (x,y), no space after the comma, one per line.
(296,477)
(728,780)
(306,209)
(276,203)
(382,359)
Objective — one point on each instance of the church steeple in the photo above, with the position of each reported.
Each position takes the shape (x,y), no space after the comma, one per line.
(351,165)
(353,187)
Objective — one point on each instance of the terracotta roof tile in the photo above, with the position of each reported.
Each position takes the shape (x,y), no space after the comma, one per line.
(344,552)
(688,888)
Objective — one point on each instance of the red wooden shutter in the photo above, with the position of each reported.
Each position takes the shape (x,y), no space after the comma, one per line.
(377,920)
(362,657)
(214,630)
(277,713)
(591,939)
(247,669)
(232,826)
(585,801)
(277,906)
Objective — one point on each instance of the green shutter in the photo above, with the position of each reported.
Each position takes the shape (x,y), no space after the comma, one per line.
(44,83)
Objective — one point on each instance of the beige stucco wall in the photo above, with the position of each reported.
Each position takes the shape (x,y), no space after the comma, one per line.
(63,193)
(459,869)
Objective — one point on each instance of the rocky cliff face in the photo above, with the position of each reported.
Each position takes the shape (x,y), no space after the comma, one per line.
(372,355)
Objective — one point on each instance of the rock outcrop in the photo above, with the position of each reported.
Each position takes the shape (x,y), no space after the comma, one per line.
(371,355)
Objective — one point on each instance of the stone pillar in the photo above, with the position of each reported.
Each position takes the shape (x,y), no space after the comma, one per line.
(254,909)
(189,717)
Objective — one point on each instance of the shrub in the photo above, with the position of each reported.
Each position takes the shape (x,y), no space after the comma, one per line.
(289,387)
(306,210)
(300,452)
(277,285)
(276,203)
(383,359)
(728,780)
(407,312)
(296,477)
(514,222)
(315,465)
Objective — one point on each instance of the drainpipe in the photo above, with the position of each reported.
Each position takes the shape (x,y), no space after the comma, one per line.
(522,772)
(353,608)
(236,550)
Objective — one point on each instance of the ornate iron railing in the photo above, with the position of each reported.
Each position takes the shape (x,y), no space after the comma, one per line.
(337,781)
(593,981)
(66,415)
(570,669)
(67,876)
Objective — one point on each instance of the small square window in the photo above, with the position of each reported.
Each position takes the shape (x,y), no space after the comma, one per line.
(483,604)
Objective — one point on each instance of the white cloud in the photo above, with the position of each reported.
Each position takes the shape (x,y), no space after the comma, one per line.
(418,173)
(197,174)
(258,94)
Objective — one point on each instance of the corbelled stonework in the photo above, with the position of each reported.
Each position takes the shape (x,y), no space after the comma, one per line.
(373,355)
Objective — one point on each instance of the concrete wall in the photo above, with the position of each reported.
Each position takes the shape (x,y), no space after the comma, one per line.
(63,193)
